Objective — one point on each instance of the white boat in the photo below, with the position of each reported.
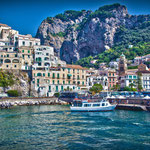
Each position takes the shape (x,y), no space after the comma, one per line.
(89,106)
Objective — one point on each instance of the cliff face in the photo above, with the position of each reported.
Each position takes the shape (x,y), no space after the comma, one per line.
(75,34)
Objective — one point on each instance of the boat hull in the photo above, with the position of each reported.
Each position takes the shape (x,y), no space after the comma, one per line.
(95,109)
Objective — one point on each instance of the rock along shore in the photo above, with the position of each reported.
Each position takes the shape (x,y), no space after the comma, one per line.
(10,102)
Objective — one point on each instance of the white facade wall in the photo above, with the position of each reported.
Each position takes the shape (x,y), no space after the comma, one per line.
(103,80)
(146,81)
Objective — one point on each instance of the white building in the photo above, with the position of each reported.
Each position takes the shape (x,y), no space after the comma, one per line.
(44,57)
(113,64)
(97,79)
(129,78)
(24,40)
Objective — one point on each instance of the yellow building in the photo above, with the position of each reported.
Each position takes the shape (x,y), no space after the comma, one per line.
(56,79)
(26,54)
(10,60)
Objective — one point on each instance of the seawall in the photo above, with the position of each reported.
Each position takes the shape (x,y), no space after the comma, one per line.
(9,102)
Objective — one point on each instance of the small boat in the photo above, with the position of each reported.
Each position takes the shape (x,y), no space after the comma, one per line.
(90,106)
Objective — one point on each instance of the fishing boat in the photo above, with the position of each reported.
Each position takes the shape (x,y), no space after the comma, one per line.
(90,106)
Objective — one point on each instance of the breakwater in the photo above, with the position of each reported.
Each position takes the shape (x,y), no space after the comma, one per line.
(9,102)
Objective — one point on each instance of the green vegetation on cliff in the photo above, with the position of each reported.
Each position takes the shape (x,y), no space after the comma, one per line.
(139,49)
(6,79)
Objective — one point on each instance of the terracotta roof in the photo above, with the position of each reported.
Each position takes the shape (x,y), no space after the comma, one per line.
(76,67)
(4,25)
(145,71)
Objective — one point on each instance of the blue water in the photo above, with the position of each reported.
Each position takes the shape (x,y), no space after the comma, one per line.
(56,128)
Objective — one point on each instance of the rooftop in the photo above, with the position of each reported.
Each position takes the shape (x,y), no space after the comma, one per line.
(76,67)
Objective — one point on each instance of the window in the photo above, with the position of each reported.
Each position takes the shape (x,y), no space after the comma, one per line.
(49,88)
(83,83)
(96,105)
(23,43)
(7,61)
(48,74)
(56,88)
(7,66)
(78,71)
(38,80)
(82,76)
(15,55)
(103,104)
(22,51)
(69,70)
(1,55)
(63,75)
(53,81)
(63,82)
(62,88)
(87,105)
(57,75)
(53,75)
(30,43)
(15,61)
(130,77)
(73,70)
(28,51)
(78,77)
(43,74)
(7,55)
(58,82)
(23,56)
(39,74)
(47,54)
(15,66)
(28,56)
(68,82)
(110,80)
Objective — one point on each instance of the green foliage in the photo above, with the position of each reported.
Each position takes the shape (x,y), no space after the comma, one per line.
(60,34)
(129,89)
(109,7)
(49,20)
(96,88)
(139,49)
(116,87)
(6,79)
(57,94)
(13,93)
(62,17)
(69,14)
(132,67)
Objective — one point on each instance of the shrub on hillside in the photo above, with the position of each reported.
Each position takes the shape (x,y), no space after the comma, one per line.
(13,93)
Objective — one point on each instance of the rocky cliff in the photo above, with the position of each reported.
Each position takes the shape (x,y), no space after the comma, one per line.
(78,34)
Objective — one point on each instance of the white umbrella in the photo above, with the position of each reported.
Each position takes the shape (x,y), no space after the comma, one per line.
(108,96)
(112,97)
(121,97)
(146,97)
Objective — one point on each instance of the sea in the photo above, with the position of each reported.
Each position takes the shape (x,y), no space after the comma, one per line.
(54,127)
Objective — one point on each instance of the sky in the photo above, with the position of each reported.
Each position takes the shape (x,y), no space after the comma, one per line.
(27,15)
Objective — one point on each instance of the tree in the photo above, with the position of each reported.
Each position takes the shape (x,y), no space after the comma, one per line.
(131,85)
(6,79)
(116,87)
(96,88)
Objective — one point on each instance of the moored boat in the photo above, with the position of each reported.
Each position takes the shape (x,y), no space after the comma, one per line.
(90,106)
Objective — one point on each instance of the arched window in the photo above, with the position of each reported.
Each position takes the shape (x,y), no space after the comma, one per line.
(15,61)
(47,64)
(39,74)
(7,61)
(46,58)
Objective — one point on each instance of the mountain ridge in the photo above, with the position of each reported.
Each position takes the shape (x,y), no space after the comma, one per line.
(78,34)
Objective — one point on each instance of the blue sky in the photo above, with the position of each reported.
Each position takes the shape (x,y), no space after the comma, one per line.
(26,15)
